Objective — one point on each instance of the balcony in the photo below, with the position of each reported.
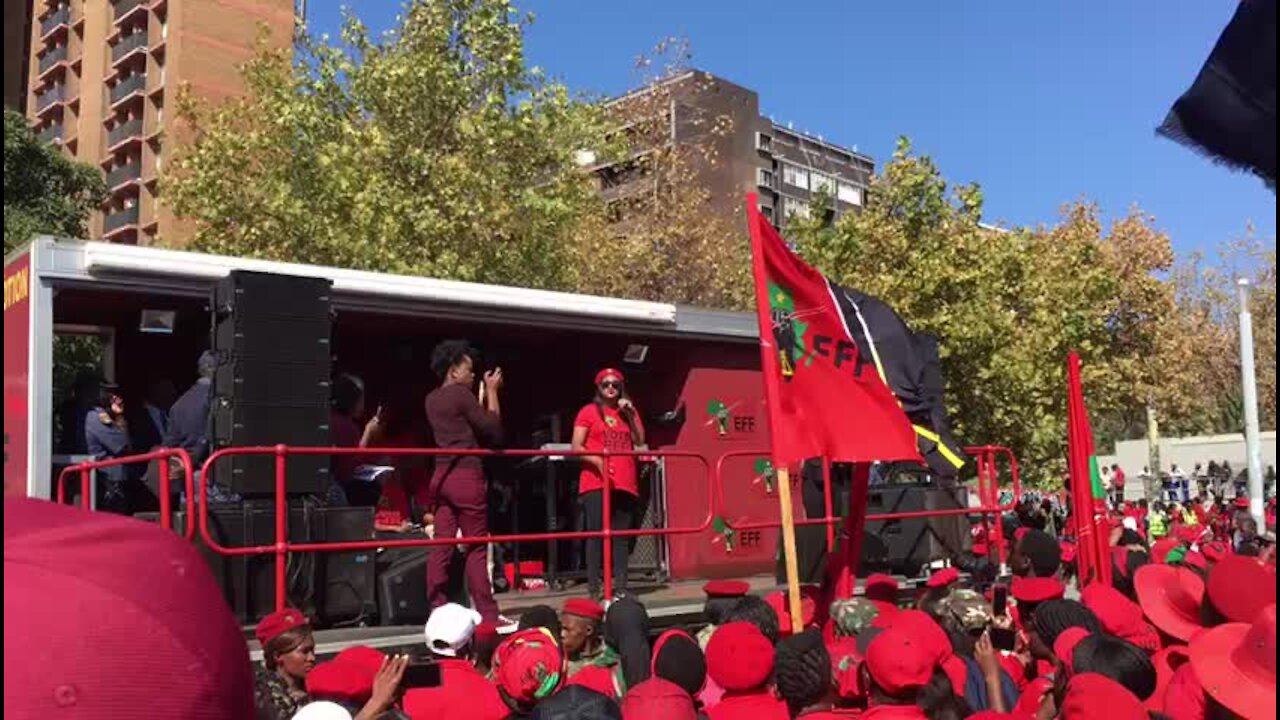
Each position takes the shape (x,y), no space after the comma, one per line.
(120,219)
(52,133)
(124,131)
(127,44)
(52,58)
(54,20)
(128,86)
(49,97)
(122,174)
(126,8)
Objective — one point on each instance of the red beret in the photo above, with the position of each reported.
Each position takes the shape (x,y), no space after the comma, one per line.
(1065,646)
(528,665)
(278,622)
(1195,559)
(1036,589)
(340,681)
(739,656)
(1188,533)
(1214,551)
(1242,502)
(896,661)
(1239,588)
(726,588)
(100,606)
(362,656)
(943,578)
(1067,551)
(1120,616)
(881,587)
(1090,696)
(609,372)
(584,607)
(927,633)
(1160,548)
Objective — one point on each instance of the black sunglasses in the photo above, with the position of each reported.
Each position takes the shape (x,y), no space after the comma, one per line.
(615,384)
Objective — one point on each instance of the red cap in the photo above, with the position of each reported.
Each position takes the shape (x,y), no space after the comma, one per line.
(896,661)
(926,632)
(1242,502)
(1171,597)
(1240,587)
(584,607)
(881,587)
(609,372)
(528,665)
(100,607)
(726,588)
(1036,589)
(943,578)
(1188,533)
(781,607)
(739,656)
(658,698)
(340,682)
(1196,560)
(278,622)
(1064,647)
(1160,548)
(1091,696)
(1120,616)
(364,657)
(1236,665)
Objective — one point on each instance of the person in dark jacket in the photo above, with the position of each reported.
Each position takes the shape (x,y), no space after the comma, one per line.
(189,423)
(107,437)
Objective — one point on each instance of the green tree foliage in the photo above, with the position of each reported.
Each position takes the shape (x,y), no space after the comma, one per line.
(431,149)
(44,192)
(1008,305)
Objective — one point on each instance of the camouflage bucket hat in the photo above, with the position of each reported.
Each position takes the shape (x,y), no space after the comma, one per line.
(967,607)
(853,615)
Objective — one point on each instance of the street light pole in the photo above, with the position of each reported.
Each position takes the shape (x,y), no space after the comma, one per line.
(1249,392)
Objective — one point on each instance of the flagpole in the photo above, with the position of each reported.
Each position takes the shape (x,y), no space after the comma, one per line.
(768,368)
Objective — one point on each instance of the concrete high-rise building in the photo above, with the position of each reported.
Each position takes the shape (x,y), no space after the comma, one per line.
(785,167)
(104,77)
(17,20)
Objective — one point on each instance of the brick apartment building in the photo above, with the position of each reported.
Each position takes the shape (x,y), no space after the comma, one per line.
(785,167)
(103,77)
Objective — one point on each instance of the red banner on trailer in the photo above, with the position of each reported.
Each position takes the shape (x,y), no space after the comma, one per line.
(17,372)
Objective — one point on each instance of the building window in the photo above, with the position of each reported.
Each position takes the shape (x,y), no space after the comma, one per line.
(764,143)
(822,183)
(796,208)
(764,178)
(851,194)
(767,212)
(795,176)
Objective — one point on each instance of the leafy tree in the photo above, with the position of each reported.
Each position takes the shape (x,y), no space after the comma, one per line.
(431,149)
(1007,306)
(44,192)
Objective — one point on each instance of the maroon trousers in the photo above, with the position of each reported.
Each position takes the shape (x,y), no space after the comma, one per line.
(460,502)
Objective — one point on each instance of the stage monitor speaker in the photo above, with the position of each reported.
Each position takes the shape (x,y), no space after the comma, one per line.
(402,590)
(335,587)
(908,545)
(271,336)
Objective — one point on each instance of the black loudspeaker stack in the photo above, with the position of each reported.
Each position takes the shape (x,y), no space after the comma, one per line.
(904,546)
(271,336)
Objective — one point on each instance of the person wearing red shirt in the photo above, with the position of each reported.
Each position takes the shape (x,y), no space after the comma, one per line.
(463,692)
(610,423)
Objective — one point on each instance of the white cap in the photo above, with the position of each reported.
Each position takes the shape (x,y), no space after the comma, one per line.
(449,629)
(1130,522)
(322,710)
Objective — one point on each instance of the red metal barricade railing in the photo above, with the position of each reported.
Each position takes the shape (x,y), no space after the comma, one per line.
(282,547)
(166,501)
(985,461)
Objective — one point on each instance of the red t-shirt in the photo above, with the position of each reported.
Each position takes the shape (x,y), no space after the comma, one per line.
(894,712)
(463,693)
(1117,479)
(606,429)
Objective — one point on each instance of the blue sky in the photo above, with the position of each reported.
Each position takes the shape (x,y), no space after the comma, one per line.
(1041,103)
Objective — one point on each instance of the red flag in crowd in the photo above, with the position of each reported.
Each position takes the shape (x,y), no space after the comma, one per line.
(825,399)
(1094,556)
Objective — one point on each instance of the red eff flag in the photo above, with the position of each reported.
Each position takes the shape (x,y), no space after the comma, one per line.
(1094,556)
(824,399)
